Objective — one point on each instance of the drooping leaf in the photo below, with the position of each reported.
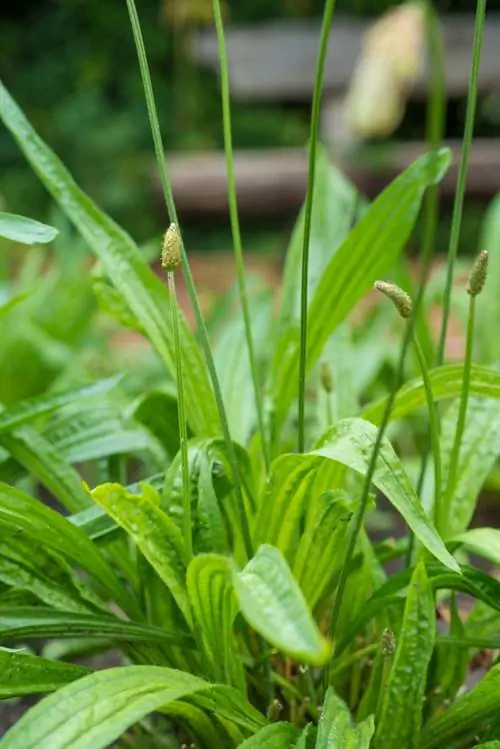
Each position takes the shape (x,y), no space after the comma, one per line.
(272,603)
(25,230)
(215,607)
(351,442)
(464,719)
(28,674)
(97,709)
(156,535)
(275,736)
(123,262)
(368,252)
(402,703)
(484,542)
(337,730)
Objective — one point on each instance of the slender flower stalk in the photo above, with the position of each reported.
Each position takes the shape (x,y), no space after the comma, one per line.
(170,260)
(477,279)
(315,117)
(235,228)
(202,328)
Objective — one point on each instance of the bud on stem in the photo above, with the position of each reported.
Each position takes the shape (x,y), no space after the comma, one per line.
(477,276)
(401,300)
(171,249)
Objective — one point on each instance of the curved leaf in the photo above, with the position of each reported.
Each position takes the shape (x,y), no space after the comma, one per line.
(96,710)
(25,230)
(276,736)
(368,252)
(28,674)
(123,262)
(336,729)
(272,603)
(484,542)
(351,442)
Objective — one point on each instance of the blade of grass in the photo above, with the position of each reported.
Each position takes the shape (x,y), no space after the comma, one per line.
(202,328)
(315,117)
(235,226)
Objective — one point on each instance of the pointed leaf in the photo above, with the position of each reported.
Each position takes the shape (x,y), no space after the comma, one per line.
(337,730)
(28,674)
(276,736)
(25,230)
(484,542)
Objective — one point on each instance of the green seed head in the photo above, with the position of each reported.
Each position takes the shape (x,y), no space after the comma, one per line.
(171,249)
(477,276)
(326,377)
(388,642)
(401,300)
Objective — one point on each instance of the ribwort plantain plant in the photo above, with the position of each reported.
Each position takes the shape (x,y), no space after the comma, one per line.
(235,578)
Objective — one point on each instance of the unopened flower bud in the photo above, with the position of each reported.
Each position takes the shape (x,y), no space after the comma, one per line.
(401,300)
(477,276)
(326,377)
(171,249)
(387,642)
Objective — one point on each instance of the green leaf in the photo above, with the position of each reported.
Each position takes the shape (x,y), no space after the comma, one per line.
(489,745)
(158,412)
(210,533)
(351,442)
(96,710)
(403,699)
(462,721)
(27,674)
(451,663)
(123,262)
(484,542)
(275,736)
(215,607)
(24,622)
(368,252)
(48,528)
(155,534)
(25,230)
(489,309)
(337,730)
(272,603)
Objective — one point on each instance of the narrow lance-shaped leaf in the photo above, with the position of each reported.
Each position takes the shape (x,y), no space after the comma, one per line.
(25,230)
(272,603)
(403,698)
(123,262)
(27,674)
(275,736)
(337,730)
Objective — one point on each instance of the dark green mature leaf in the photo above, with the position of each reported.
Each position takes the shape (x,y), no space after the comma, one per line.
(275,736)
(272,603)
(403,699)
(23,622)
(368,252)
(44,526)
(158,412)
(215,607)
(351,443)
(156,535)
(123,262)
(25,230)
(446,383)
(96,710)
(464,719)
(337,730)
(27,674)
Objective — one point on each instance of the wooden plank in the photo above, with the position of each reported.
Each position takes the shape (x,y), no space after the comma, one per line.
(275,62)
(274,182)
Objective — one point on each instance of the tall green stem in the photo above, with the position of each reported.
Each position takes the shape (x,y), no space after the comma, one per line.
(186,489)
(202,328)
(315,117)
(456,221)
(235,226)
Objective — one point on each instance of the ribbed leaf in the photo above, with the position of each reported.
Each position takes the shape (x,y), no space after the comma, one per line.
(276,736)
(23,622)
(215,607)
(158,412)
(27,674)
(123,262)
(96,710)
(272,603)
(337,730)
(351,442)
(403,699)
(25,230)
(368,252)
(156,535)
(462,721)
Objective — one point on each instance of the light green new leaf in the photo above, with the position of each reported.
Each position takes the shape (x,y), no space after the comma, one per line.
(96,710)
(123,262)
(215,607)
(368,252)
(459,724)
(275,736)
(337,730)
(156,535)
(484,542)
(489,745)
(272,603)
(27,674)
(25,230)
(351,442)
